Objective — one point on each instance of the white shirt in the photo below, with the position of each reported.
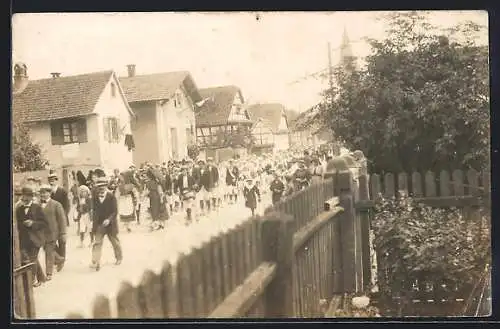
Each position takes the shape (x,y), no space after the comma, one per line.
(185,181)
(27,207)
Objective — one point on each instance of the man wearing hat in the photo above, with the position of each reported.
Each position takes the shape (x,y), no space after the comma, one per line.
(31,225)
(210,180)
(186,191)
(55,230)
(105,223)
(60,195)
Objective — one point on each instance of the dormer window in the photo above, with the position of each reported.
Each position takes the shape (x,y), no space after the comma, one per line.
(113,90)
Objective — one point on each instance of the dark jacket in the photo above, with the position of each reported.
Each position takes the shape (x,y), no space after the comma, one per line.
(210,178)
(197,174)
(180,184)
(277,188)
(168,185)
(56,220)
(251,195)
(33,236)
(61,196)
(232,176)
(108,209)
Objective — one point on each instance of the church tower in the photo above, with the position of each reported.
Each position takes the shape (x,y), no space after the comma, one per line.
(346,56)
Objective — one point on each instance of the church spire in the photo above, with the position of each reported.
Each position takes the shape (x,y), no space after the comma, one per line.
(345,48)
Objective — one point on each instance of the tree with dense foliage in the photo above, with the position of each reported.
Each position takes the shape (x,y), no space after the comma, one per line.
(26,154)
(420,103)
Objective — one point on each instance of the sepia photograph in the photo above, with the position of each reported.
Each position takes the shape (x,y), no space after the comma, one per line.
(250,165)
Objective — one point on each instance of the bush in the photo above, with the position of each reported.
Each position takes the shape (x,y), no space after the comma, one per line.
(193,151)
(438,245)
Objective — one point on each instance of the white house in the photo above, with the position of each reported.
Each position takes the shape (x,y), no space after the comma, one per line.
(270,117)
(164,104)
(80,121)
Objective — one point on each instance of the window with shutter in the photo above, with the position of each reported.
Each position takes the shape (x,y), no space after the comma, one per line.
(68,131)
(114,130)
(106,129)
(82,131)
(56,131)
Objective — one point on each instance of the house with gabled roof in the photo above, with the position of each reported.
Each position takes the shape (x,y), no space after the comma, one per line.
(270,126)
(221,114)
(164,105)
(305,131)
(79,121)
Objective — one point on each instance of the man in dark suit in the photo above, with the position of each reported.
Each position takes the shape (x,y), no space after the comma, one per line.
(232,176)
(185,185)
(105,223)
(197,174)
(60,195)
(210,180)
(31,225)
(56,228)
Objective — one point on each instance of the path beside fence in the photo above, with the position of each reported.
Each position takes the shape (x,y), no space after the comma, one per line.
(74,289)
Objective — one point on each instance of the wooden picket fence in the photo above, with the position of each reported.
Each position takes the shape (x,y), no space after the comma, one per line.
(289,262)
(468,191)
(23,299)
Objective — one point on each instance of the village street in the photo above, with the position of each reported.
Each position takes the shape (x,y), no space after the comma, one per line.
(75,287)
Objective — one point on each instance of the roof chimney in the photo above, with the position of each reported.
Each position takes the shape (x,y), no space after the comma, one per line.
(20,77)
(131,70)
(55,74)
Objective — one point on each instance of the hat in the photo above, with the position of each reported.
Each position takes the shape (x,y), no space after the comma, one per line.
(102,181)
(28,191)
(45,187)
(210,159)
(30,178)
(52,176)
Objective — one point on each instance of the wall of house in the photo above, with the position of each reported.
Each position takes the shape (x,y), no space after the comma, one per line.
(236,115)
(260,130)
(281,141)
(144,130)
(113,154)
(283,125)
(88,154)
(181,119)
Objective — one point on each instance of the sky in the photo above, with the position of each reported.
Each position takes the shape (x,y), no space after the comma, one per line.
(261,56)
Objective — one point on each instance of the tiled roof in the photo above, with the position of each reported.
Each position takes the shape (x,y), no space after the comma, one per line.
(307,119)
(59,98)
(269,112)
(217,107)
(157,86)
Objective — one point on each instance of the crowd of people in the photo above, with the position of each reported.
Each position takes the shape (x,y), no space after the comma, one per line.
(99,202)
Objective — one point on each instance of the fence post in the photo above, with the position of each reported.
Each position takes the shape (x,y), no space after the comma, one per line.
(348,231)
(277,239)
(364,216)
